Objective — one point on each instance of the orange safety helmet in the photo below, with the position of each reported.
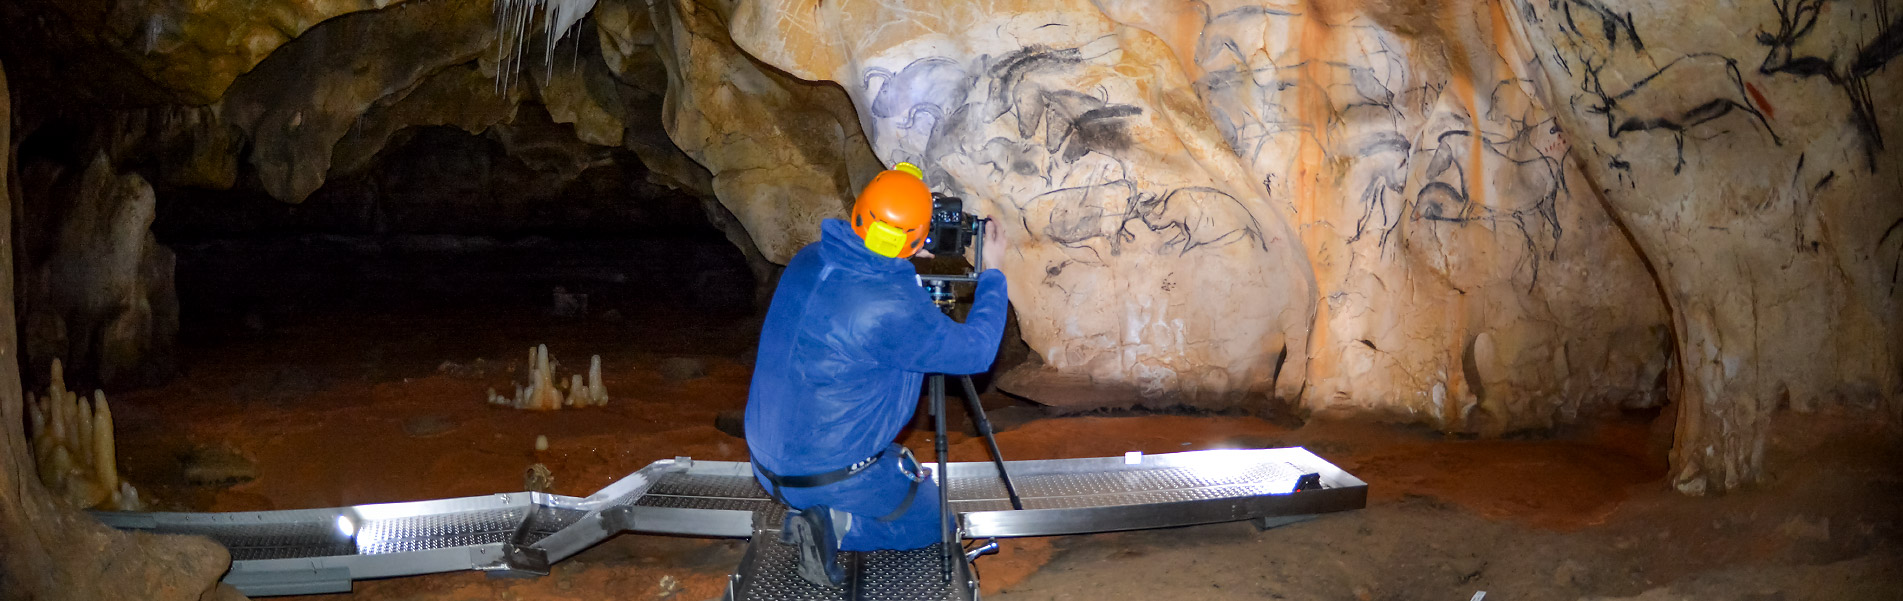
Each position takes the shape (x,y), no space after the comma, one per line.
(893,211)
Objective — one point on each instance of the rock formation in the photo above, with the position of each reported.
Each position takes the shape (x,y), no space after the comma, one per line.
(1742,148)
(53,551)
(1212,203)
(188,51)
(1480,216)
(75,447)
(784,153)
(99,292)
(539,389)
(1457,259)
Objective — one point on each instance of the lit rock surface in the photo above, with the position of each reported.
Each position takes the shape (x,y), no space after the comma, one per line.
(1210,203)
(1479,216)
(784,153)
(1744,148)
(1143,264)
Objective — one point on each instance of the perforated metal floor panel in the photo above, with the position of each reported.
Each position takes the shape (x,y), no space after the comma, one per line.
(770,573)
(323,550)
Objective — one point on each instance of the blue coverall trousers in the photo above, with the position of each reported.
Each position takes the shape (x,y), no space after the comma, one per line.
(871,495)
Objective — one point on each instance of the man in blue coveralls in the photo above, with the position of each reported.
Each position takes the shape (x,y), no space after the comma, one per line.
(846,344)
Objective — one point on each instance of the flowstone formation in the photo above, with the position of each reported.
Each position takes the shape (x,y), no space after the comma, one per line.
(539,389)
(74,448)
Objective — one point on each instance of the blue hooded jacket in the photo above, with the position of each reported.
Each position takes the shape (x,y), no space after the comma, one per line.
(845,347)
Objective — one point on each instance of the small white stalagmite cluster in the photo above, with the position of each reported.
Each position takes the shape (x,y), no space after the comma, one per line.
(541,393)
(74,449)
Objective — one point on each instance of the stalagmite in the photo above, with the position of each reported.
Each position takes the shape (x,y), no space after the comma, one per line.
(74,449)
(105,451)
(542,392)
(597,392)
(576,391)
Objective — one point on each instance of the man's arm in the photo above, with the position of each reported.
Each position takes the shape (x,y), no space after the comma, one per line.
(917,337)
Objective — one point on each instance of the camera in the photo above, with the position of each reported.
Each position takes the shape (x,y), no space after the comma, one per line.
(952,230)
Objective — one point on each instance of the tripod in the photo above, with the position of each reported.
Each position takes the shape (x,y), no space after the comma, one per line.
(939,288)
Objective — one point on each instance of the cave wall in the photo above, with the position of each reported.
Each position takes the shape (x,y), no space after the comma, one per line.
(98,288)
(1351,205)
(784,153)
(1743,148)
(54,551)
(186,52)
(1476,215)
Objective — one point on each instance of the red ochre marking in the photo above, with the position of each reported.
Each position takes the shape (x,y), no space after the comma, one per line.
(1758,98)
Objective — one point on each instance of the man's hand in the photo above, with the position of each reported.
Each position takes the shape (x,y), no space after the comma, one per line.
(994,245)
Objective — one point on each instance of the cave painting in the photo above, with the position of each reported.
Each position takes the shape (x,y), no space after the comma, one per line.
(1442,180)
(1797,47)
(1201,213)
(1484,217)
(1723,173)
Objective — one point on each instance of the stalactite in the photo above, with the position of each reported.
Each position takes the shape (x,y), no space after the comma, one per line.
(513,20)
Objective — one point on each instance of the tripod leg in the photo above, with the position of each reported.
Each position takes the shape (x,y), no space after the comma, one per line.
(948,539)
(984,428)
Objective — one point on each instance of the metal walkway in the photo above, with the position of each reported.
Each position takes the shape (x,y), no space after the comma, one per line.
(322,550)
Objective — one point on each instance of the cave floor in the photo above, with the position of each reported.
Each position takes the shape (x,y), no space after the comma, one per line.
(322,410)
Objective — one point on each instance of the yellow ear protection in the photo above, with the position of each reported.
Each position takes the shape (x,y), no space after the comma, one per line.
(883,238)
(892,212)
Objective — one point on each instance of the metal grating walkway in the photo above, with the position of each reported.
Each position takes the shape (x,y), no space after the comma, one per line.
(322,550)
(770,573)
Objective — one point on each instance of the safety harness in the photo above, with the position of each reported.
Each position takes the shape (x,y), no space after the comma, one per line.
(841,474)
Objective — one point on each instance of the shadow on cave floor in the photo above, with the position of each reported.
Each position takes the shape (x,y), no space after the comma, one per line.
(309,398)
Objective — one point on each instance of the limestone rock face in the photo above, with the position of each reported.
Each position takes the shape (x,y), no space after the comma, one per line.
(1142,261)
(1743,148)
(1359,208)
(303,100)
(102,296)
(784,153)
(1483,216)
(52,550)
(194,50)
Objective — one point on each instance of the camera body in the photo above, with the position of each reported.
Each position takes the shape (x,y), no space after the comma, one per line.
(952,230)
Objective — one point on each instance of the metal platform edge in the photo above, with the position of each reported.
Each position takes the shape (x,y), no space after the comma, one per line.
(334,573)
(613,510)
(1340,491)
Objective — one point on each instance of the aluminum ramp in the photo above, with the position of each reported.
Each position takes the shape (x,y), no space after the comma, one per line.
(322,550)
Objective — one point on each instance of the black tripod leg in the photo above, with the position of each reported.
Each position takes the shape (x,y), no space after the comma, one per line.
(948,538)
(984,428)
